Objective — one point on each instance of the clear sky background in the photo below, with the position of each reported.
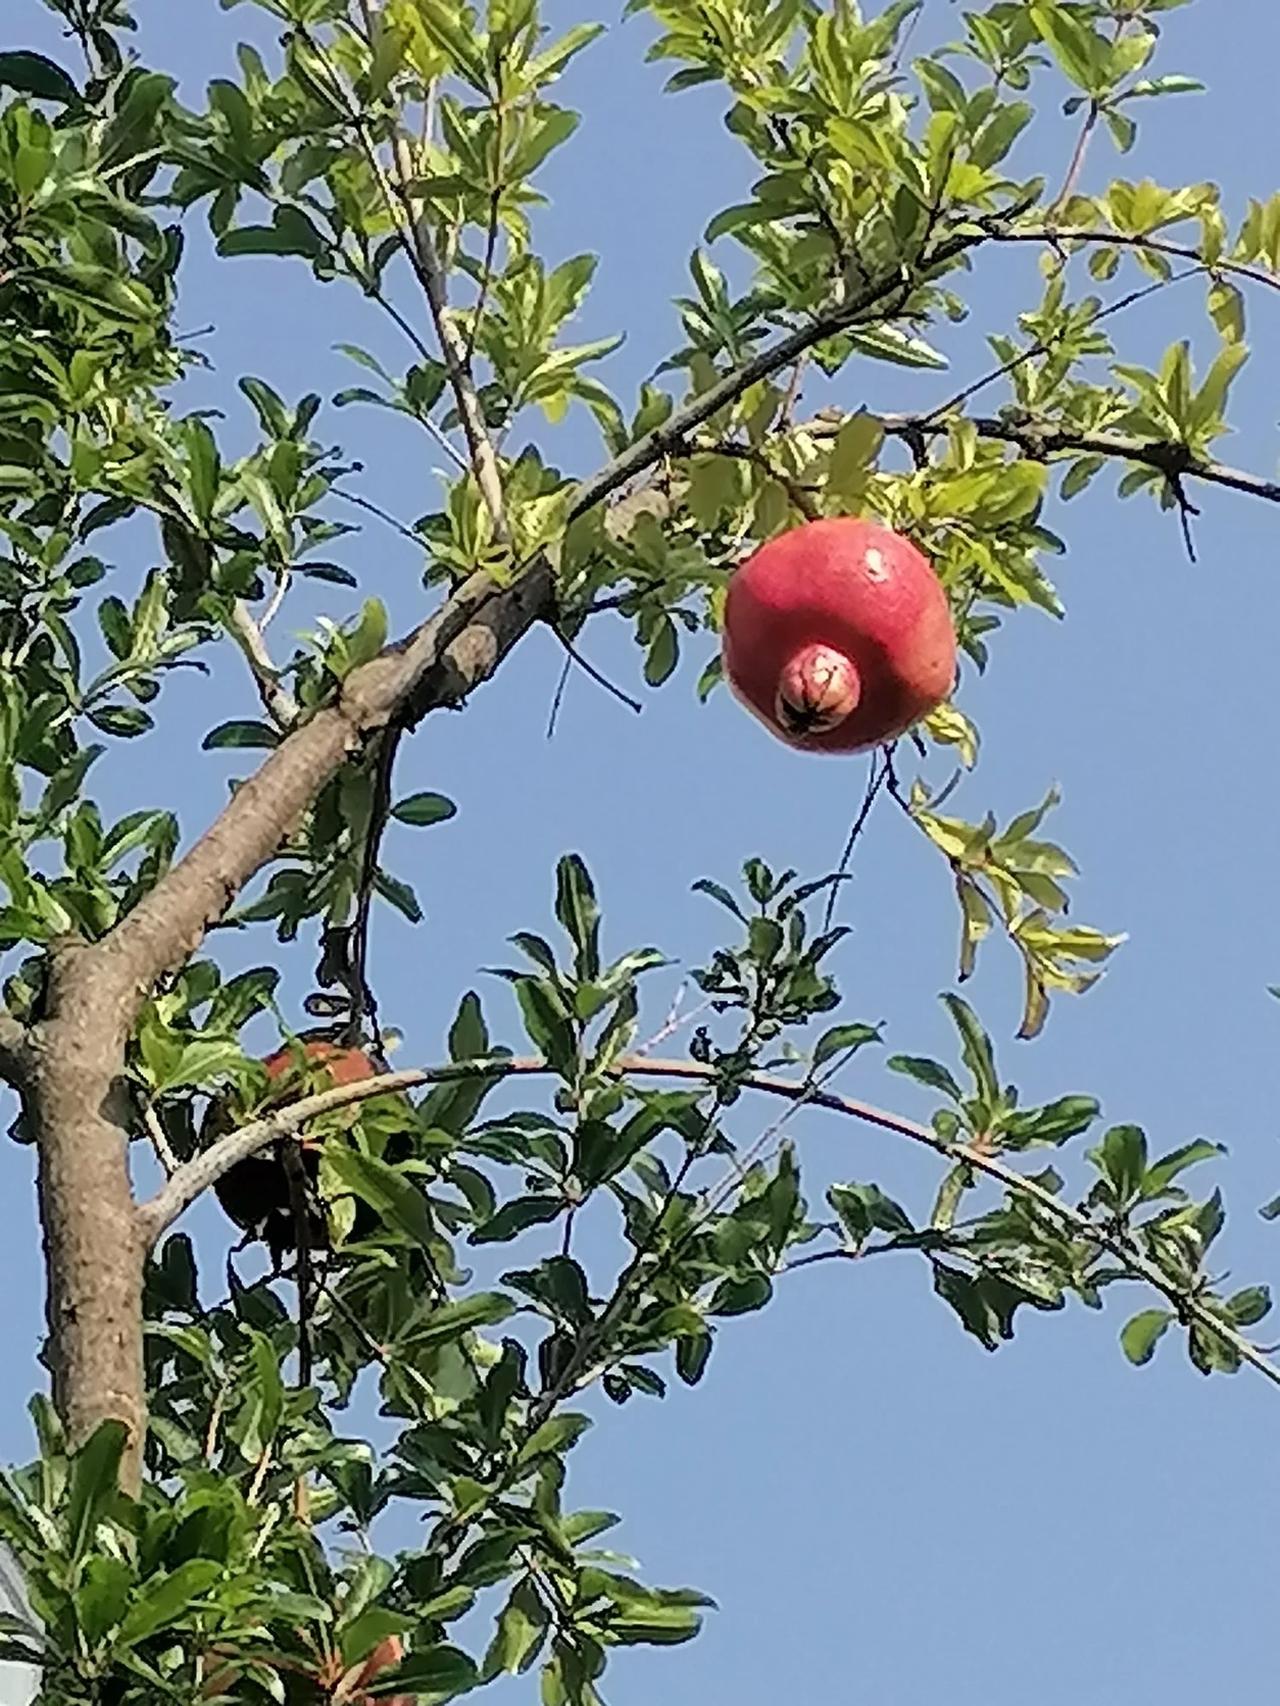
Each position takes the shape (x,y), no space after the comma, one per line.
(884,1511)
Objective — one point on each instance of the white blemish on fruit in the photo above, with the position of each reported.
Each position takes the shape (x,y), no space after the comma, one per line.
(875,565)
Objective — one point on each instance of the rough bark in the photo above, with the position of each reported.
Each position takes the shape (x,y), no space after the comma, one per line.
(92,1243)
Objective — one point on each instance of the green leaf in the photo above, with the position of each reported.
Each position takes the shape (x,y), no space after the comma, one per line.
(515,1217)
(441,21)
(986,1305)
(692,1353)
(124,721)
(903,349)
(1246,1308)
(387,1190)
(663,653)
(1054,1123)
(203,467)
(291,232)
(33,74)
(429,1675)
(548,64)
(1143,1333)
(363,1631)
(103,1596)
(975,1049)
(201,1060)
(741,1296)
(843,1039)
(1122,1159)
(1083,54)
(853,455)
(450,1321)
(369,635)
(521,1630)
(268,406)
(421,810)
(925,1071)
(865,1208)
(579,913)
(169,1600)
(998,135)
(1160,1174)
(720,895)
(400,895)
(555,1437)
(241,733)
(94,1485)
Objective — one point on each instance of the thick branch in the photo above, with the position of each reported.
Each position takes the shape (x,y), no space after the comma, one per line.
(439,664)
(197,1175)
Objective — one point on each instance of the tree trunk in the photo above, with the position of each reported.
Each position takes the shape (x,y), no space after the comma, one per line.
(92,1242)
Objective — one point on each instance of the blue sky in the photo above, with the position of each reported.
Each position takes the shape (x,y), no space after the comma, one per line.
(883,1510)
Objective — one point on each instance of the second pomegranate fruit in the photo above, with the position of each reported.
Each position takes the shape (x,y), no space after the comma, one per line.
(838,636)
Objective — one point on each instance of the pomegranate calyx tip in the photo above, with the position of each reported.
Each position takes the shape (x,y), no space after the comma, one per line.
(819,687)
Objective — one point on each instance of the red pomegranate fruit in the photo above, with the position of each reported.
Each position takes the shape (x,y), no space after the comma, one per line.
(256,1194)
(838,636)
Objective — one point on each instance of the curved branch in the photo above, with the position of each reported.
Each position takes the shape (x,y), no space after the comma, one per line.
(196,1176)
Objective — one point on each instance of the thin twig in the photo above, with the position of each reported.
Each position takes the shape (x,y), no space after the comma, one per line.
(279,704)
(1076,164)
(1045,347)
(791,396)
(495,207)
(877,776)
(159,1141)
(557,698)
(484,461)
(1132,240)
(276,602)
(419,245)
(383,515)
(437,433)
(573,655)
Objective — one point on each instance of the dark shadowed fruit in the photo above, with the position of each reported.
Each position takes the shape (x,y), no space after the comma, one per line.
(255,1194)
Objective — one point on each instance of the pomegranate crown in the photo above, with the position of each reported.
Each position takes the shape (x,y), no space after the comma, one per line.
(818,688)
